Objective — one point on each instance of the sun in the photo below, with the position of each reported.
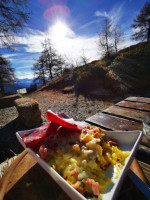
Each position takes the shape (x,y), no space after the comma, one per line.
(61,35)
(59,30)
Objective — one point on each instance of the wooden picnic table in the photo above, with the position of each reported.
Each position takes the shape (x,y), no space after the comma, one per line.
(30,181)
(126,115)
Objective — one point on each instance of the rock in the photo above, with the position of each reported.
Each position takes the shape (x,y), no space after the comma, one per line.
(29,112)
(8,101)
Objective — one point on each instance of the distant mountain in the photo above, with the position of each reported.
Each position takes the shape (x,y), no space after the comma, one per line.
(22,83)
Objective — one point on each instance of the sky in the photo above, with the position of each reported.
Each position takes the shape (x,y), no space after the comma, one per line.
(72,26)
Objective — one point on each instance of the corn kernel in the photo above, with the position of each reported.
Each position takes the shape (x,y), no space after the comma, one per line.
(87,138)
(76,147)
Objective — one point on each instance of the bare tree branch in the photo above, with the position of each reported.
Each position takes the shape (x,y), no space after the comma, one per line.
(13,16)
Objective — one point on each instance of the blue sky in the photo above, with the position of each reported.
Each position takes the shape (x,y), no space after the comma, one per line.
(72,26)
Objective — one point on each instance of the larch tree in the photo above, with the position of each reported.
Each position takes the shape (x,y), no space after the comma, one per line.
(49,65)
(54,61)
(141,24)
(7,75)
(58,69)
(117,36)
(39,69)
(50,56)
(105,42)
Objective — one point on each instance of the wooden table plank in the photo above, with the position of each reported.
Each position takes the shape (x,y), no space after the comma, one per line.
(137,115)
(36,184)
(24,166)
(138,99)
(146,169)
(144,147)
(145,142)
(135,105)
(114,123)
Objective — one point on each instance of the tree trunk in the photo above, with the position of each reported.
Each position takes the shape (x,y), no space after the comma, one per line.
(50,64)
(107,46)
(148,34)
(50,71)
(116,47)
(43,76)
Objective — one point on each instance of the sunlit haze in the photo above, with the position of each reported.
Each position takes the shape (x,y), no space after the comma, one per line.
(60,30)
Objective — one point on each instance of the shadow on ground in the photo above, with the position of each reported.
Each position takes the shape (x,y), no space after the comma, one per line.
(95,97)
(9,144)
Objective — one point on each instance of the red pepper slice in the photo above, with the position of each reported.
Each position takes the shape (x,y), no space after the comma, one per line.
(33,138)
(39,134)
(57,126)
(67,123)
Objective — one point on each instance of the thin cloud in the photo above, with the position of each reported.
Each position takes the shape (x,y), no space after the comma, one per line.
(25,67)
(101,14)
(114,15)
(89,24)
(12,55)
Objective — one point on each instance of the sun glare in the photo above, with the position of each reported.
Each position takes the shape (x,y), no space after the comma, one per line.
(60,30)
(61,36)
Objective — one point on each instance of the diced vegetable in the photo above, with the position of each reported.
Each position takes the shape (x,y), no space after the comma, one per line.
(89,181)
(95,188)
(43,152)
(76,185)
(82,175)
(112,143)
(76,147)
(75,172)
(94,185)
(87,138)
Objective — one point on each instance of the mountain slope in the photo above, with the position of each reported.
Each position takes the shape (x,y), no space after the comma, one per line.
(128,71)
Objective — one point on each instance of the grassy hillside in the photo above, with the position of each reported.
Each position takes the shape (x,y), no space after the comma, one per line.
(132,67)
(128,71)
(84,79)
